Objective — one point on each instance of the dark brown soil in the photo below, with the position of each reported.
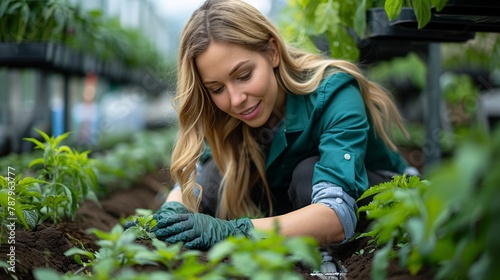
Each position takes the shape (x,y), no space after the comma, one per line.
(45,246)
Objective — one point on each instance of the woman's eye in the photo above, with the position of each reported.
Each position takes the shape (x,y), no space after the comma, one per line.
(217,90)
(245,76)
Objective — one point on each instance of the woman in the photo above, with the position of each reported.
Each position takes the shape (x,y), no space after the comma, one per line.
(293,137)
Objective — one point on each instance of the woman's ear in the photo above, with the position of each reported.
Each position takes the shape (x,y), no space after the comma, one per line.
(274,52)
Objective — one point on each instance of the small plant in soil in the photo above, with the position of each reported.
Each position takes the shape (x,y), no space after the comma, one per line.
(20,200)
(70,175)
(143,222)
(64,178)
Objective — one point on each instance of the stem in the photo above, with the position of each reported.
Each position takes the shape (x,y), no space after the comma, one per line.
(54,208)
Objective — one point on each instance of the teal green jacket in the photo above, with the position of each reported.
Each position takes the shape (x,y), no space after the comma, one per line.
(332,122)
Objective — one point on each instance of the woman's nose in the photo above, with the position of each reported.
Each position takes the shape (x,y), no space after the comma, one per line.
(237,96)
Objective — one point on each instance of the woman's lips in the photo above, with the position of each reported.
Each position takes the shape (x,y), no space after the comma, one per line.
(252,112)
(251,109)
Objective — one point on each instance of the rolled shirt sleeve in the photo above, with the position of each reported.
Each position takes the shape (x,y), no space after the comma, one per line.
(339,201)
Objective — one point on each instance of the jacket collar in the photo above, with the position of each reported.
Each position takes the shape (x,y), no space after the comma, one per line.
(296,120)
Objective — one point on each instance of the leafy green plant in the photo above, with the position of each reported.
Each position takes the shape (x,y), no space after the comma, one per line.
(144,222)
(70,175)
(462,98)
(448,222)
(34,21)
(400,69)
(266,256)
(269,256)
(89,32)
(304,22)
(422,9)
(482,52)
(340,21)
(394,203)
(115,259)
(63,179)
(19,198)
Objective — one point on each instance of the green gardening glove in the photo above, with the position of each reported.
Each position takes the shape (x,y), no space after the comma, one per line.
(170,208)
(199,231)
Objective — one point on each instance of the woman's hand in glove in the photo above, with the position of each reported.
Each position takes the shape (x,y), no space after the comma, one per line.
(199,231)
(170,208)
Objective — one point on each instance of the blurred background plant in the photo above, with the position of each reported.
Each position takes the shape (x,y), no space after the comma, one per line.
(61,21)
(343,22)
(448,222)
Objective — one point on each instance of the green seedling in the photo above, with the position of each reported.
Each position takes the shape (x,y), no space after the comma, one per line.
(144,222)
(70,175)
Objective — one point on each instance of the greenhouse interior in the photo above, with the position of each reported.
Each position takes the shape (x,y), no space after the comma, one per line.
(88,127)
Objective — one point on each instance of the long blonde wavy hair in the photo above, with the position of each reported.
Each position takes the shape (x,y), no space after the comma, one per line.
(234,149)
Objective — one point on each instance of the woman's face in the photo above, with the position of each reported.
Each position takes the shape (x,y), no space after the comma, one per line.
(241,82)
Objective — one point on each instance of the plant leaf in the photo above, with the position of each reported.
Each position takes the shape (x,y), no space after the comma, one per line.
(381,262)
(439,4)
(46,273)
(359,23)
(422,9)
(393,8)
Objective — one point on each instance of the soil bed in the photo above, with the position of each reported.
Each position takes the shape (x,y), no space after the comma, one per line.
(45,246)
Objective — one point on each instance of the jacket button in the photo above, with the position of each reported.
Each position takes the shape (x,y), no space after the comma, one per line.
(347,156)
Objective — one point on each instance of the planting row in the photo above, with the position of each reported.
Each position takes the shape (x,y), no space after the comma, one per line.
(446,223)
(60,178)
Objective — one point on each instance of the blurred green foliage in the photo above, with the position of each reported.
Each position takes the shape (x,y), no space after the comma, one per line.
(342,22)
(410,67)
(126,162)
(448,222)
(483,52)
(89,32)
